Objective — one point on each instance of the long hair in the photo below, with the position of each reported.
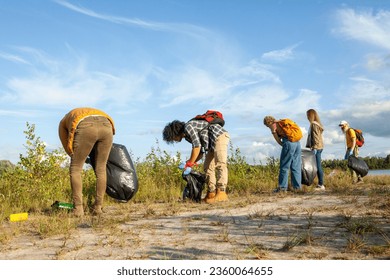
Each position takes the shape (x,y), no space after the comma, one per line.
(312,116)
(173,130)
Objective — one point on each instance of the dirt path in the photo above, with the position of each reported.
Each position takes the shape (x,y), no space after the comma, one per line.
(285,226)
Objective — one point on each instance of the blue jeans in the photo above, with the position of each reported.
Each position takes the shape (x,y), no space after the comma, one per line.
(290,159)
(320,173)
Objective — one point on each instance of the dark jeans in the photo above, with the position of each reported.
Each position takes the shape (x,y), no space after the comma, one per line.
(93,132)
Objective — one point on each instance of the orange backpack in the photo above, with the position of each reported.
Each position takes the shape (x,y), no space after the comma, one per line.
(291,129)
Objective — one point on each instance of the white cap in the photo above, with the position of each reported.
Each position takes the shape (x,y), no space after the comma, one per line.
(343,123)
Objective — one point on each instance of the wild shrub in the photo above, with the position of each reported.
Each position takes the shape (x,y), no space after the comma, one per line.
(36,180)
(159,177)
(245,178)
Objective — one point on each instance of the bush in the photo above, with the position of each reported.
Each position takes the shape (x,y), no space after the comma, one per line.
(37,180)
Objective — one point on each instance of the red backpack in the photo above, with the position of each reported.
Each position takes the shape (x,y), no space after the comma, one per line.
(359,137)
(212,117)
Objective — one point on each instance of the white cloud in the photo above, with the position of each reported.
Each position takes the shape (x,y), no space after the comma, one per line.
(366,26)
(187,29)
(281,55)
(13,58)
(57,83)
(192,85)
(376,62)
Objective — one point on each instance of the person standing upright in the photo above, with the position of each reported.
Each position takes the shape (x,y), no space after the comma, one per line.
(315,143)
(80,131)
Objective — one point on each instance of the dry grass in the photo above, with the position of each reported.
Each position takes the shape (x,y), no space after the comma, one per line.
(336,224)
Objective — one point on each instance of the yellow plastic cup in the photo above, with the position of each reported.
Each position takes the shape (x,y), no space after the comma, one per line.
(18,217)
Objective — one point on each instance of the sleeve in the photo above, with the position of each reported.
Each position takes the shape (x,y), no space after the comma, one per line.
(316,135)
(193,135)
(63,134)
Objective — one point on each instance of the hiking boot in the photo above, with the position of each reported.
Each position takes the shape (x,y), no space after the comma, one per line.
(221,196)
(209,198)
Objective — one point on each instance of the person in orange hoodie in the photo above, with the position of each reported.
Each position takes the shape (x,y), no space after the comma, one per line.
(80,131)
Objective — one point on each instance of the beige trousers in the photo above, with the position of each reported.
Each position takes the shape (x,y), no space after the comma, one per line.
(354,175)
(215,165)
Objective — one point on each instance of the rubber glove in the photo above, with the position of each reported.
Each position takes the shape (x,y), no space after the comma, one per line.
(181,165)
(187,171)
(186,167)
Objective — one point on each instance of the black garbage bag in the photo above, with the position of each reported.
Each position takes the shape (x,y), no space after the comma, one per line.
(122,181)
(195,184)
(358,165)
(309,167)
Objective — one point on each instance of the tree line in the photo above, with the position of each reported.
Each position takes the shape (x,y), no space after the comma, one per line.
(373,163)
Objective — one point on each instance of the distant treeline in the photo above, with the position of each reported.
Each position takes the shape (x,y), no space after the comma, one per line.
(372,162)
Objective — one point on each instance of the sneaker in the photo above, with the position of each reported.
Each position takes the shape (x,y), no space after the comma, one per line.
(320,188)
(279,190)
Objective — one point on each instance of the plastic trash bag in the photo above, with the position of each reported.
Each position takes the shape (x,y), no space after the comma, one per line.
(195,184)
(309,167)
(122,181)
(358,165)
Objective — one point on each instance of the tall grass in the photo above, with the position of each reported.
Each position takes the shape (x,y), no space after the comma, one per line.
(42,177)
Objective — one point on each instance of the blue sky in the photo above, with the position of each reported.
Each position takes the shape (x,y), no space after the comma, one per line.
(149,62)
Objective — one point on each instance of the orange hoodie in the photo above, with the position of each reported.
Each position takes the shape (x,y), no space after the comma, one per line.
(70,122)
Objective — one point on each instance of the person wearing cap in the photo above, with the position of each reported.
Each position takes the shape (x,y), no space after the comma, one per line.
(350,147)
(81,131)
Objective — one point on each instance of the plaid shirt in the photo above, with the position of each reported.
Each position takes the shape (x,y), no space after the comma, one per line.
(200,134)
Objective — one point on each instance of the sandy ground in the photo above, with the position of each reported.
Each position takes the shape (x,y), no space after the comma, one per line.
(268,226)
